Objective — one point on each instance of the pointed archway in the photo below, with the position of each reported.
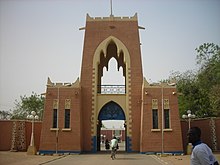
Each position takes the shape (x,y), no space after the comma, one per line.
(110,111)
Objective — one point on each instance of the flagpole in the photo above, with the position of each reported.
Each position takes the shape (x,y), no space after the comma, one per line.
(111,7)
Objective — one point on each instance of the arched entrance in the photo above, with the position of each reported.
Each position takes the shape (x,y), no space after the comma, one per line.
(110,111)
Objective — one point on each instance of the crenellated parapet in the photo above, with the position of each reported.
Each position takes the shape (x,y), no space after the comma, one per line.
(146,84)
(112,18)
(76,84)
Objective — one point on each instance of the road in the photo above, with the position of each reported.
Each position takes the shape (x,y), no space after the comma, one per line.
(18,158)
(98,159)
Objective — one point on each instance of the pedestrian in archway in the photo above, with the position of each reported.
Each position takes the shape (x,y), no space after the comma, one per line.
(107,145)
(113,145)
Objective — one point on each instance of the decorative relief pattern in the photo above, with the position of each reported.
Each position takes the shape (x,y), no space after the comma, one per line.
(21,136)
(55,103)
(113,89)
(14,135)
(18,136)
(154,104)
(129,123)
(67,103)
(166,104)
(213,133)
(93,115)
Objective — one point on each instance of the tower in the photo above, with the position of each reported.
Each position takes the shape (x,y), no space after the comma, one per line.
(106,38)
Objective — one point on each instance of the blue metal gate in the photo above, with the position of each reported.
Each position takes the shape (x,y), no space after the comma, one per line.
(111,111)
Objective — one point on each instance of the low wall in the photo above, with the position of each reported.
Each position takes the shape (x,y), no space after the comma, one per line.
(210,128)
(16,135)
(37,133)
(5,135)
(11,135)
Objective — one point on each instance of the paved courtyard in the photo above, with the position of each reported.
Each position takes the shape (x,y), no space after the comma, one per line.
(18,158)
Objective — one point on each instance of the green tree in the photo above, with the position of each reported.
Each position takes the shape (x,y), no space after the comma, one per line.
(4,115)
(208,57)
(27,104)
(187,90)
(214,96)
(200,90)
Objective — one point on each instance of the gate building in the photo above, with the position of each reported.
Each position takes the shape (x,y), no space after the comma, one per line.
(74,112)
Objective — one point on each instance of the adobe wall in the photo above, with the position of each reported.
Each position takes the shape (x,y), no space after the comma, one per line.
(37,133)
(109,134)
(217,126)
(151,139)
(204,125)
(69,140)
(6,127)
(5,135)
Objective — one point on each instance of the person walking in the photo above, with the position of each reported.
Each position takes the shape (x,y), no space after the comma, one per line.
(113,144)
(201,153)
(107,146)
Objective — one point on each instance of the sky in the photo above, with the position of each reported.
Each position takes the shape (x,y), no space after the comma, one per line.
(41,39)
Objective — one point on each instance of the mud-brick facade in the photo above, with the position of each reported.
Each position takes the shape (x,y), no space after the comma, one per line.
(67,139)
(155,98)
(73,112)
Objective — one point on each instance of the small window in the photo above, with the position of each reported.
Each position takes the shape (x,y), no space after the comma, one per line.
(55,118)
(166,118)
(67,118)
(155,118)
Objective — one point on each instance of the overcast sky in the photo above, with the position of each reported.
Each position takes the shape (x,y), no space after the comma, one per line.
(41,38)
